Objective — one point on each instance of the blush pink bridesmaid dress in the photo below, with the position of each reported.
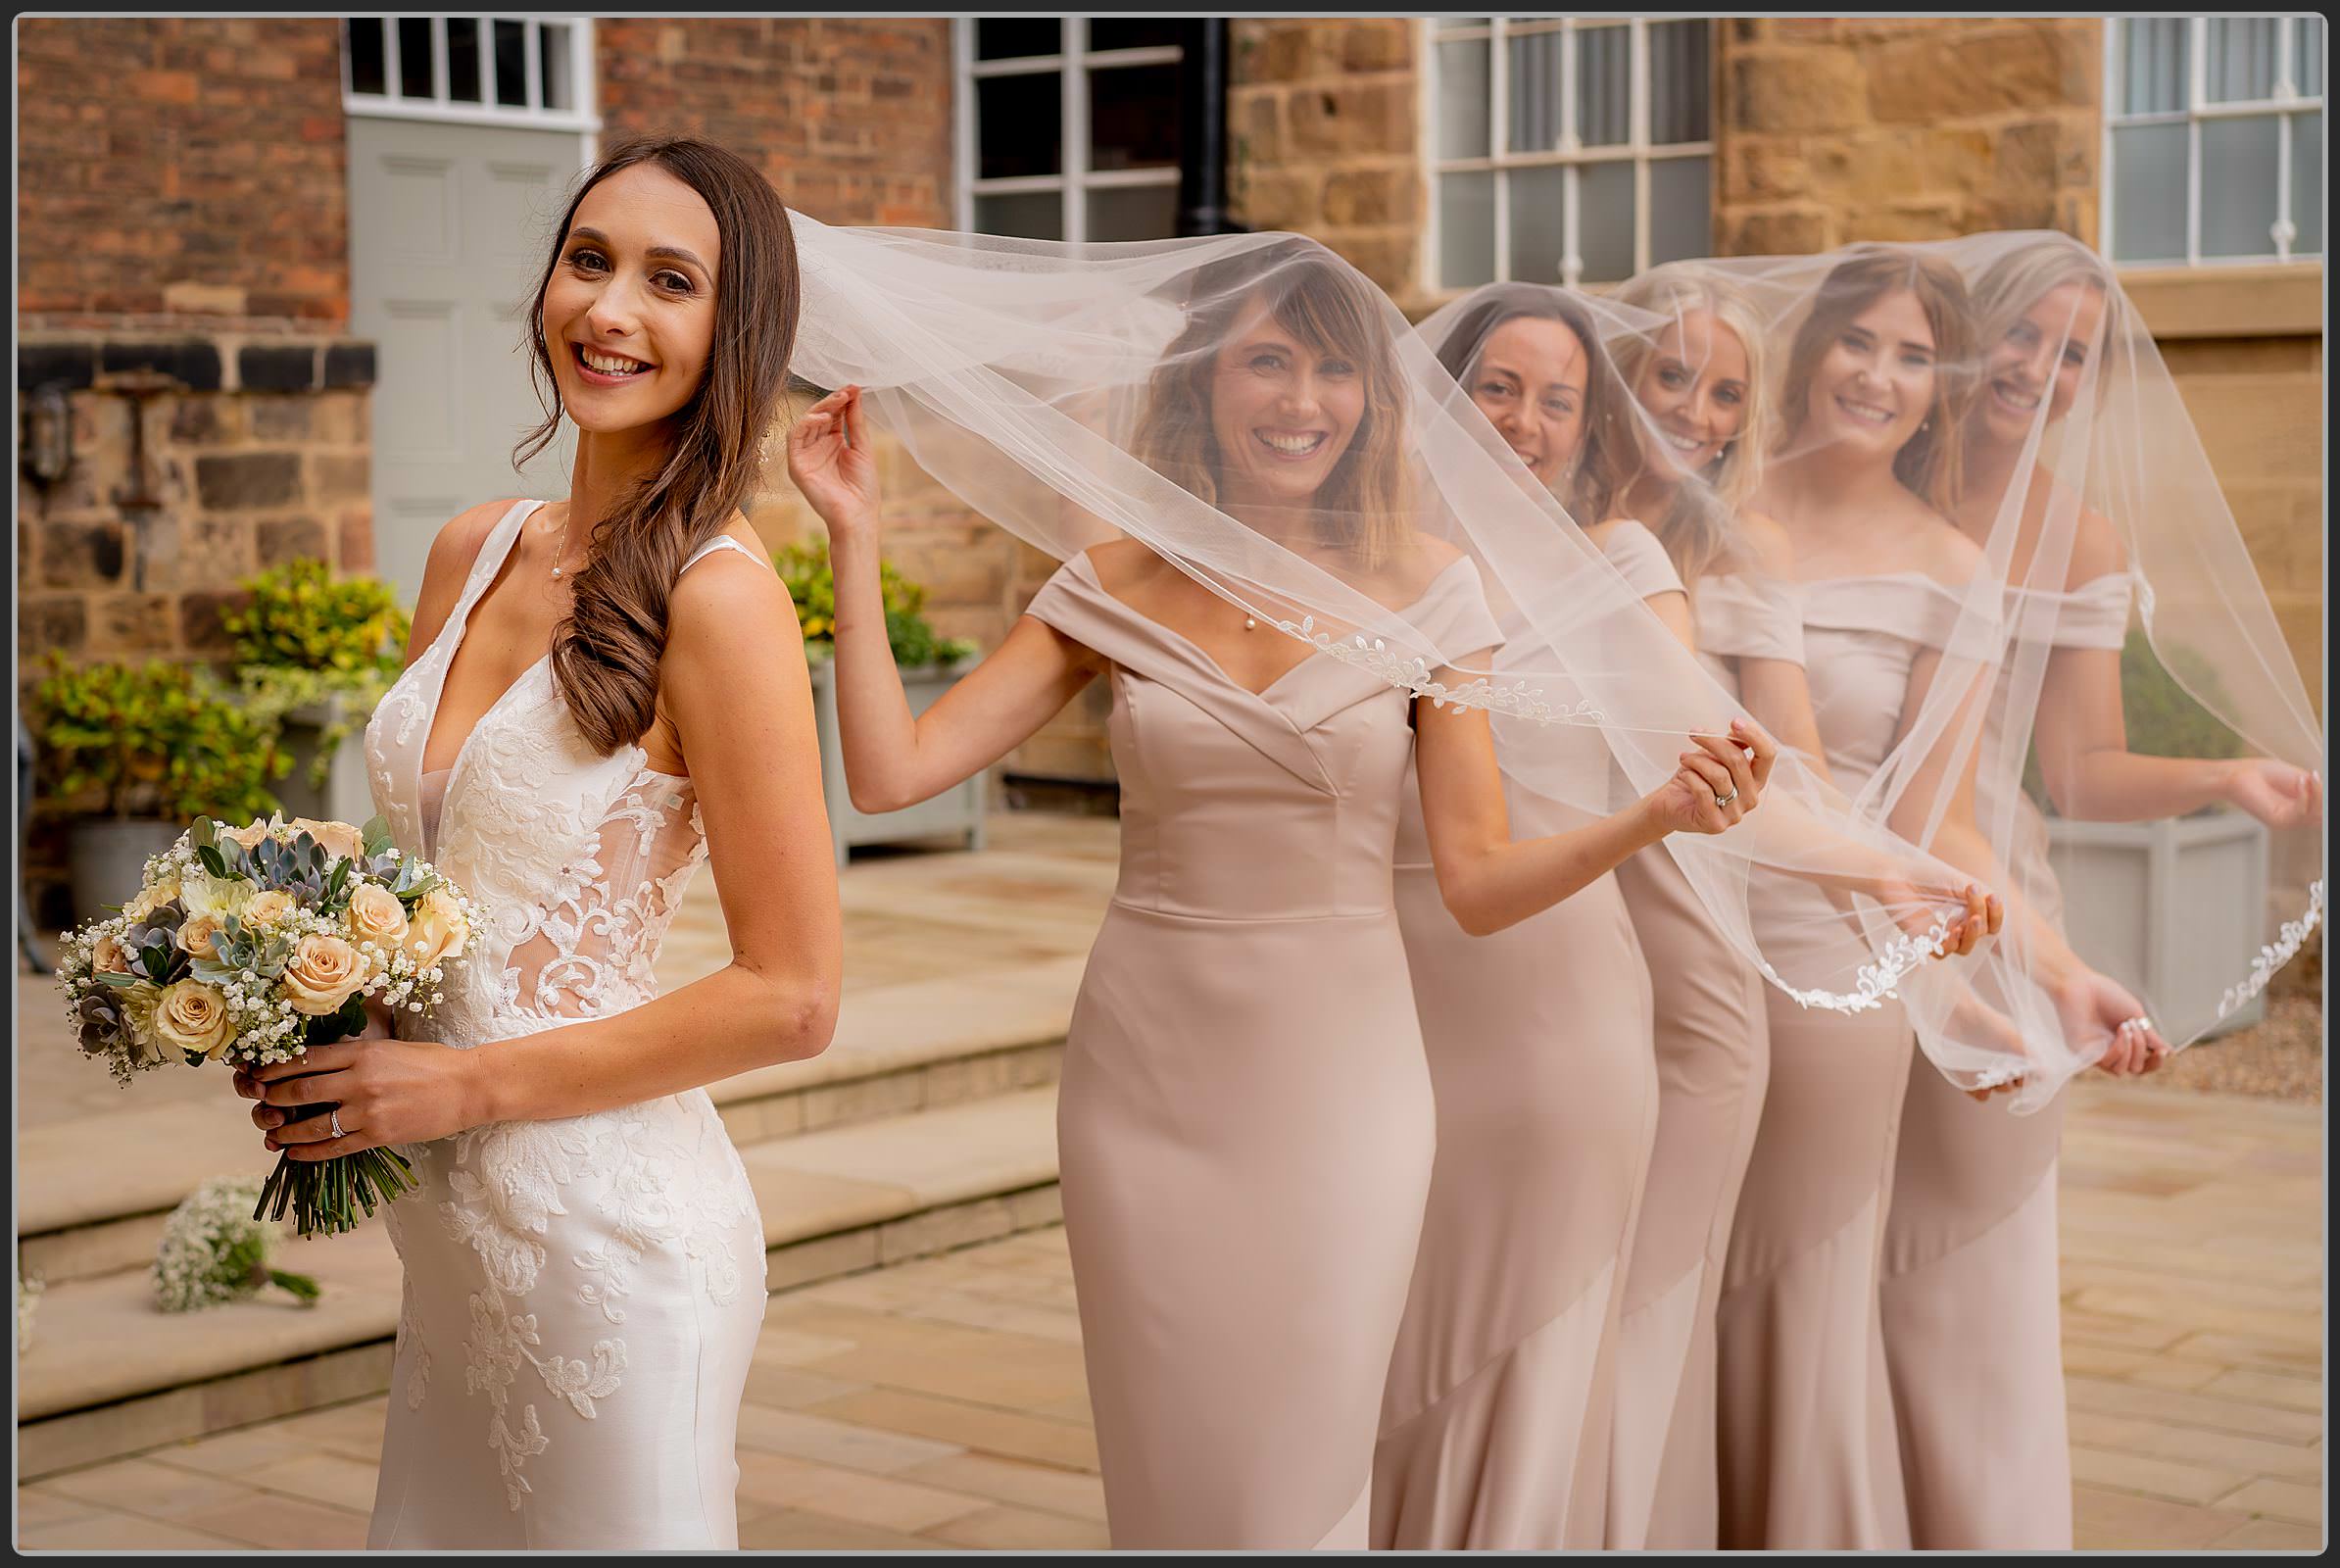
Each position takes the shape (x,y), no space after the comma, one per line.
(1244,1121)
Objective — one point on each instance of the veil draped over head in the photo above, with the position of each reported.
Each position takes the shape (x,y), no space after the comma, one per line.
(1255,412)
(2057,547)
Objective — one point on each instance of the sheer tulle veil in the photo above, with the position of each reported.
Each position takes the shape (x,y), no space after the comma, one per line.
(1076,394)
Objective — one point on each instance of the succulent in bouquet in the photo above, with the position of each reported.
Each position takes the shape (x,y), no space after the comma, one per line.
(248,946)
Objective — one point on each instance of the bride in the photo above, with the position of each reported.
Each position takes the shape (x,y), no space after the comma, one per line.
(600,692)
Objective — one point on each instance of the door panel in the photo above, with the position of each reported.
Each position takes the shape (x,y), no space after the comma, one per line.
(447,225)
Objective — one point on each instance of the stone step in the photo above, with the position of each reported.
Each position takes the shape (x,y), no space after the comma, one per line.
(109,1374)
(899,1049)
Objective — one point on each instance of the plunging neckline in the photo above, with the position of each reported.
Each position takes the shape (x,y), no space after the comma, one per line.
(462,630)
(1209,659)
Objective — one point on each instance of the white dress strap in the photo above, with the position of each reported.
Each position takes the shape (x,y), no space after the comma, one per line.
(721,541)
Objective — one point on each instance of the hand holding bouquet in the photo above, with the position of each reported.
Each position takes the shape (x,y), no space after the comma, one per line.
(252,945)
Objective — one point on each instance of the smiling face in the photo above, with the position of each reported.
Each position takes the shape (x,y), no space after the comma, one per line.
(2043,355)
(1874,383)
(1282,412)
(629,311)
(1694,387)
(1530,382)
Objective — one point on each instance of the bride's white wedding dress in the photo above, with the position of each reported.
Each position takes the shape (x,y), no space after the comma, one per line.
(582,1296)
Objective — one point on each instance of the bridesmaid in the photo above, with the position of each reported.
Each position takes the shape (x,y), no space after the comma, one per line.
(1244,1120)
(1700,380)
(1971,1240)
(1495,1420)
(1807,1457)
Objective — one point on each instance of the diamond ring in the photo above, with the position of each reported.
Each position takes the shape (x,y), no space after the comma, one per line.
(335,1122)
(1726,799)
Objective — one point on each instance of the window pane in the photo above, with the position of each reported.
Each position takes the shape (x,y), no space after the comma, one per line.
(1535,92)
(1605,222)
(1466,230)
(2238,186)
(1604,60)
(1026,214)
(1537,219)
(2149,193)
(414,57)
(2306,184)
(512,65)
(1679,83)
(2307,57)
(1019,125)
(463,59)
(2153,64)
(1014,37)
(1463,100)
(364,37)
(1133,211)
(552,61)
(2241,61)
(1679,208)
(1132,116)
(1132,33)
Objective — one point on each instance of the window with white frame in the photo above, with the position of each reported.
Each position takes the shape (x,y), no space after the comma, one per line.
(2214,138)
(1566,150)
(533,71)
(1068,126)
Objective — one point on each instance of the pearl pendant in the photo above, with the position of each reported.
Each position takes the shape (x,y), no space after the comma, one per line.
(1248,624)
(556,572)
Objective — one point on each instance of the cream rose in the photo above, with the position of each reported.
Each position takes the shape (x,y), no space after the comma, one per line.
(199,935)
(437,931)
(267,907)
(376,916)
(192,1016)
(324,972)
(109,956)
(250,835)
(149,900)
(338,837)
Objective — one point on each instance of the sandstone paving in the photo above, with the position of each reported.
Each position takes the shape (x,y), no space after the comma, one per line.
(938,1405)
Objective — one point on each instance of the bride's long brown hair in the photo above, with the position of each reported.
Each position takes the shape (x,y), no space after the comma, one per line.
(606,649)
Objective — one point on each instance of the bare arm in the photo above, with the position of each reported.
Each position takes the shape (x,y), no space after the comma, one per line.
(893,758)
(1488,881)
(735,685)
(447,569)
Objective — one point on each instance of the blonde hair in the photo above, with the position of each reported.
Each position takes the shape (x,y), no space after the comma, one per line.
(2028,273)
(1697,529)
(1928,464)
(1363,505)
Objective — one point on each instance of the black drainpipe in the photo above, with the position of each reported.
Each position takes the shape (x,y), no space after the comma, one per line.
(1203,129)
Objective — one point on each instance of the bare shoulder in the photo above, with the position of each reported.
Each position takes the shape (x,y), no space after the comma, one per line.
(1601,533)
(460,537)
(2096,548)
(1125,566)
(1950,556)
(1769,544)
(729,598)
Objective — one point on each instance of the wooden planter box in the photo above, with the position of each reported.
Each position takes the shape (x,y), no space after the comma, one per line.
(346,795)
(2171,908)
(954,814)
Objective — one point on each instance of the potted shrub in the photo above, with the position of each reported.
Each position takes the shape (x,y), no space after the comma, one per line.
(2139,898)
(930,665)
(314,656)
(142,752)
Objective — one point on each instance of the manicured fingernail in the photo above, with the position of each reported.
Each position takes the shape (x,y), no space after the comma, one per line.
(271,1143)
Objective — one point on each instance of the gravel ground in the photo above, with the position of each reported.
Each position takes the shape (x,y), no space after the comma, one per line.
(2281,1057)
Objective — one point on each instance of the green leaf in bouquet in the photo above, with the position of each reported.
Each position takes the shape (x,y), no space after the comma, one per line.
(210,971)
(204,833)
(120,982)
(155,958)
(376,835)
(213,860)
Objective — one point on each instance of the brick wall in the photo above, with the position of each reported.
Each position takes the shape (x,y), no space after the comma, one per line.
(1322,131)
(849,117)
(1834,130)
(174,169)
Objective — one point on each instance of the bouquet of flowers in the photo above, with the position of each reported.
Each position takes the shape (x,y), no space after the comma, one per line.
(214,1253)
(249,944)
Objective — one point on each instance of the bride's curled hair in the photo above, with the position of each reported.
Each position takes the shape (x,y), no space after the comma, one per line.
(607,649)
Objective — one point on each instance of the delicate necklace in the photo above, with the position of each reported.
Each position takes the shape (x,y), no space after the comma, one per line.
(565,520)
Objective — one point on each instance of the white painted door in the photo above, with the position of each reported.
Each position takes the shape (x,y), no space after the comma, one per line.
(448,226)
